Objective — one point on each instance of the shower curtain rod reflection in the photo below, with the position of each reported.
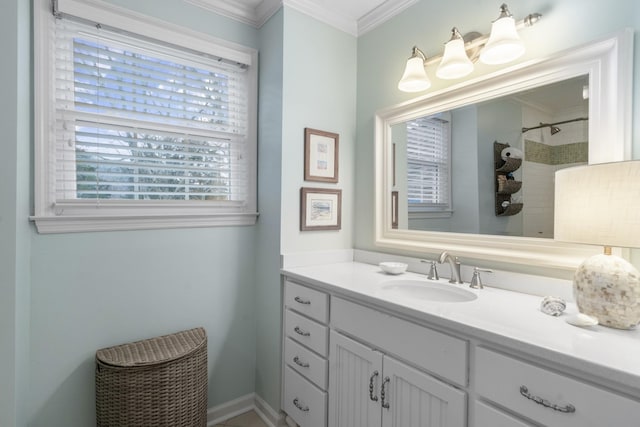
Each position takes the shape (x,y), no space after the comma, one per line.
(554,126)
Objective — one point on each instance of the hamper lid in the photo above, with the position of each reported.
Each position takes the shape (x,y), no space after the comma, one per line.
(154,350)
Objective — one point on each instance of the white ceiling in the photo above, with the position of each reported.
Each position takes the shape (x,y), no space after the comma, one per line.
(352,16)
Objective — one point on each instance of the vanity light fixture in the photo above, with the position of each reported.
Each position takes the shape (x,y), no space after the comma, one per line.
(501,46)
(504,44)
(598,205)
(455,62)
(415,77)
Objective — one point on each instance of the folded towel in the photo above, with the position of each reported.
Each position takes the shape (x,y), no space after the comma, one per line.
(511,152)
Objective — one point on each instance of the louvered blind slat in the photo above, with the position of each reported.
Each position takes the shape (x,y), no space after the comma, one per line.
(141,123)
(428,151)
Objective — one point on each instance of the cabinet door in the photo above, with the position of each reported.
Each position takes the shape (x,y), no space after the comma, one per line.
(415,399)
(355,373)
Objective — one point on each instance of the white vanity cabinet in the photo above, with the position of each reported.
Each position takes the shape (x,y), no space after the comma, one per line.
(548,397)
(369,388)
(351,362)
(368,384)
(305,370)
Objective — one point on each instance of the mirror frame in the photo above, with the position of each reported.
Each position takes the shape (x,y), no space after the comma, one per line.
(609,64)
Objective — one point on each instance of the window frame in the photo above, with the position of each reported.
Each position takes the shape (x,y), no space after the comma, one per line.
(81,215)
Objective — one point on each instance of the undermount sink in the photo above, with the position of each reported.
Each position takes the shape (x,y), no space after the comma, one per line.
(426,291)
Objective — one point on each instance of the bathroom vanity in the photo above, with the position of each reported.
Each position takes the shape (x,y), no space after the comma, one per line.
(357,354)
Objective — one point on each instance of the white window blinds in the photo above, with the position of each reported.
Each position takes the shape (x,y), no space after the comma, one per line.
(428,164)
(137,120)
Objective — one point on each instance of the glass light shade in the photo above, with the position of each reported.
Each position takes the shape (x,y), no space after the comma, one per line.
(504,44)
(455,62)
(415,77)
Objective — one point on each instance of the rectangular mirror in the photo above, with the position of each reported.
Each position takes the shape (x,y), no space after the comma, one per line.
(492,108)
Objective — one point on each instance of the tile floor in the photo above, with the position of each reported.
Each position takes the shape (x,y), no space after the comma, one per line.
(248,419)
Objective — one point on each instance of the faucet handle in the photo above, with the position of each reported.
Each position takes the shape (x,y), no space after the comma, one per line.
(433,270)
(476,280)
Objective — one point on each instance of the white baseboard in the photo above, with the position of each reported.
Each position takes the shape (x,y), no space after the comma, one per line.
(235,407)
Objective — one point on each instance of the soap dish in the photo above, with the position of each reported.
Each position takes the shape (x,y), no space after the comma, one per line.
(393,267)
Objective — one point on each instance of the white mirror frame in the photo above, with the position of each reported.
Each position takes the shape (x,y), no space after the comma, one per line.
(609,64)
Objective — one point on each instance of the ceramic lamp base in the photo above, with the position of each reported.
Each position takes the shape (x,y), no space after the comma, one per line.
(608,288)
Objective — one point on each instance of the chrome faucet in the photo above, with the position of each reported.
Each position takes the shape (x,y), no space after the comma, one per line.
(454,263)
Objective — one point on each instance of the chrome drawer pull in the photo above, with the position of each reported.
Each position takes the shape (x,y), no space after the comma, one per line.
(568,409)
(299,363)
(301,332)
(371,396)
(385,405)
(302,301)
(302,408)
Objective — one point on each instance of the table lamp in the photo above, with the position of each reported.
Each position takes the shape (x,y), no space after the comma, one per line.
(600,205)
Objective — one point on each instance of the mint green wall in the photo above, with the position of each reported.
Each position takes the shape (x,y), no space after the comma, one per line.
(267,288)
(92,290)
(319,75)
(15,183)
(383,51)
(68,295)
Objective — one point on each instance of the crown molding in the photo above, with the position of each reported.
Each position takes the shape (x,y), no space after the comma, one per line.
(258,15)
(330,17)
(238,11)
(382,13)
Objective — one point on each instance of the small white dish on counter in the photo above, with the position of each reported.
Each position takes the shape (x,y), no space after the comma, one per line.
(393,267)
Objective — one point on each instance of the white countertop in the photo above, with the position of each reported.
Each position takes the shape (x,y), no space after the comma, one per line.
(504,318)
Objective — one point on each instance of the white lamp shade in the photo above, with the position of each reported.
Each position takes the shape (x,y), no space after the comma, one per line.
(504,44)
(455,62)
(599,204)
(415,77)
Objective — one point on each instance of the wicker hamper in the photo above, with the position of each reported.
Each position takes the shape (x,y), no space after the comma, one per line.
(155,382)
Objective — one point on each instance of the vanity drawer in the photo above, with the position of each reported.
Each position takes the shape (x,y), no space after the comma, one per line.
(311,303)
(306,362)
(304,402)
(432,351)
(307,332)
(515,384)
(485,415)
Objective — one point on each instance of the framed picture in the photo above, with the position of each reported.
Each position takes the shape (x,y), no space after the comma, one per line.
(320,209)
(320,155)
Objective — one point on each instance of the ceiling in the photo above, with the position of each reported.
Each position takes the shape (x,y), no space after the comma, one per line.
(558,96)
(352,16)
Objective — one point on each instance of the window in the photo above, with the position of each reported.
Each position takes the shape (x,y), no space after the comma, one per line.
(429,165)
(141,133)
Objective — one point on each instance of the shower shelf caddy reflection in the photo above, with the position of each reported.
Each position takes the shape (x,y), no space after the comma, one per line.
(504,187)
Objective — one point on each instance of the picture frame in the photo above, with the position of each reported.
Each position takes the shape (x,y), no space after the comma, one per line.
(394,210)
(321,155)
(320,209)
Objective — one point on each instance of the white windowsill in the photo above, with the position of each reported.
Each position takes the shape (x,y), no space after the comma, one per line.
(429,215)
(89,223)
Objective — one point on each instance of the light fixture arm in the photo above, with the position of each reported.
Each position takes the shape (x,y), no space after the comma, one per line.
(504,12)
(417,53)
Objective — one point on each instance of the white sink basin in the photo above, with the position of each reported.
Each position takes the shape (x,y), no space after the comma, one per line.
(426,291)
